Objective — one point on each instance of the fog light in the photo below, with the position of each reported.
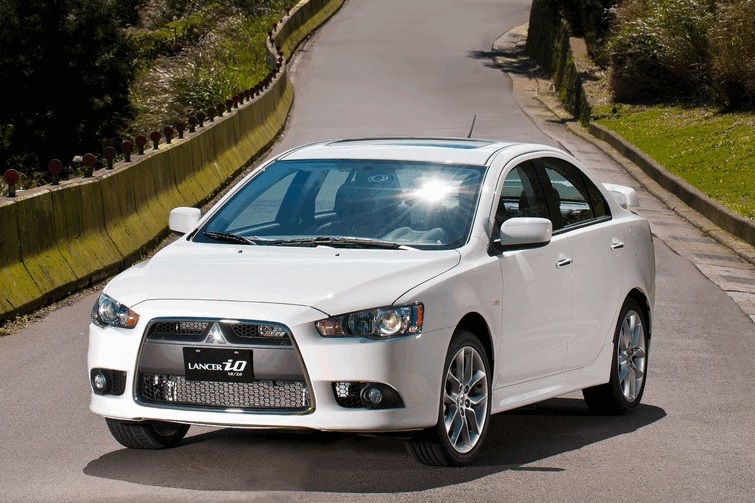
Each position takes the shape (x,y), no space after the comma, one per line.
(107,382)
(366,395)
(372,395)
(99,382)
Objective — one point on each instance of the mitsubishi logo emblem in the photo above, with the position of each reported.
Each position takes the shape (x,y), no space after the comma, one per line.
(215,336)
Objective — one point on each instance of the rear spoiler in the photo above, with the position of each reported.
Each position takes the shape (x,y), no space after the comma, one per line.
(626,196)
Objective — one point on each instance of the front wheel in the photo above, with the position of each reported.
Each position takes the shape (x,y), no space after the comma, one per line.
(464,410)
(623,392)
(147,435)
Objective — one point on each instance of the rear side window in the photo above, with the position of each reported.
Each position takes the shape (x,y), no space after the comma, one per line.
(573,200)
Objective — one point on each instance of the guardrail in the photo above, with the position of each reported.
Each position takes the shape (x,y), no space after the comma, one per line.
(55,240)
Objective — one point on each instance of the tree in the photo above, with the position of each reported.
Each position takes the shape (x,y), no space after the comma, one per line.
(64,77)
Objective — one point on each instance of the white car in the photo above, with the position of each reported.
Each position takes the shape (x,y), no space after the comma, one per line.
(402,286)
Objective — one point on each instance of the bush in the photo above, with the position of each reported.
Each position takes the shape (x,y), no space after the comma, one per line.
(733,48)
(660,49)
(218,50)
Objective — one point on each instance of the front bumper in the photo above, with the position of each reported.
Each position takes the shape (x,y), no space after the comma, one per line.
(410,365)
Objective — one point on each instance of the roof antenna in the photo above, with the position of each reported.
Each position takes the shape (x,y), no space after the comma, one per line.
(474,119)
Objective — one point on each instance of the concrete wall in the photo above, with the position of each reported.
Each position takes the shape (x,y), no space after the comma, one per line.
(57,239)
(548,44)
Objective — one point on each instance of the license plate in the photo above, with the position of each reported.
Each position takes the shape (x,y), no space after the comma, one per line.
(215,364)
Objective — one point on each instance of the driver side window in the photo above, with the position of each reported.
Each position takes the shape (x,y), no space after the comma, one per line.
(521,196)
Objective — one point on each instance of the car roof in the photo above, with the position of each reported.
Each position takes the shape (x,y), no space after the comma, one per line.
(440,150)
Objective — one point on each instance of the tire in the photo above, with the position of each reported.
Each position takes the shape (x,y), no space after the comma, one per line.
(623,392)
(147,435)
(457,438)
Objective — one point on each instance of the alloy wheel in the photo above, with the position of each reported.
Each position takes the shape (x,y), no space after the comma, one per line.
(631,356)
(465,400)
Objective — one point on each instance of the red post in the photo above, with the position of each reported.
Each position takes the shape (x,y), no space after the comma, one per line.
(89,160)
(127,147)
(155,137)
(109,154)
(141,142)
(11,177)
(55,167)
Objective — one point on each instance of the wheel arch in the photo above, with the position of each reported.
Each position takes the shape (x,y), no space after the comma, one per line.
(475,323)
(644,303)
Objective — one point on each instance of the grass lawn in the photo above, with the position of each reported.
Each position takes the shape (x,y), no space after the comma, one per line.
(713,151)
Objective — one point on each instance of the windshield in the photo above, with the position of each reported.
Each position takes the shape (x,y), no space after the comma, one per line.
(393,204)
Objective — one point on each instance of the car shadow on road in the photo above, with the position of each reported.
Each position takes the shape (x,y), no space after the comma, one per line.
(249,460)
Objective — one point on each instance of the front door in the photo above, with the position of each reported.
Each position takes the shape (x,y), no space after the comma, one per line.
(537,289)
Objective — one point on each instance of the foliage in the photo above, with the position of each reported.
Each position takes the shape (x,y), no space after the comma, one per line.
(695,50)
(65,83)
(201,54)
(86,72)
(660,49)
(733,49)
(168,40)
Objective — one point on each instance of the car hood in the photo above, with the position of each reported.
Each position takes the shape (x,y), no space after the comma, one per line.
(332,280)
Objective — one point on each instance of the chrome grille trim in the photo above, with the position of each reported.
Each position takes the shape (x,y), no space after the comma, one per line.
(177,391)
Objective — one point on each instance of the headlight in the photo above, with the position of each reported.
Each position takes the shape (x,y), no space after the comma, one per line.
(108,311)
(380,322)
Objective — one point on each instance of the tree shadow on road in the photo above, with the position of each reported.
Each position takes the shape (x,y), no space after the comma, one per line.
(247,460)
(516,62)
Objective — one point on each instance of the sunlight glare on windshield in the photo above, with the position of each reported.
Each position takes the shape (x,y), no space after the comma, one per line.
(434,190)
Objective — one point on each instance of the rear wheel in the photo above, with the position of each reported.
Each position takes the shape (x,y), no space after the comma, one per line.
(464,410)
(622,394)
(147,435)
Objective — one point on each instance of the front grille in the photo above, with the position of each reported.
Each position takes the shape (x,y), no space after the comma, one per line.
(249,330)
(197,331)
(257,395)
(179,328)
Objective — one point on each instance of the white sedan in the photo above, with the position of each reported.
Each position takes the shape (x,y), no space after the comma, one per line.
(401,286)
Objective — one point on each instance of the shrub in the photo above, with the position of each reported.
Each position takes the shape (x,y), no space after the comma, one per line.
(660,49)
(213,51)
(733,49)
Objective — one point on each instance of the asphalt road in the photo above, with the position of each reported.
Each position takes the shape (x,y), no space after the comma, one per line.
(425,68)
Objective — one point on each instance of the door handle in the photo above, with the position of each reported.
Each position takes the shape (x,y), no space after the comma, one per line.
(563,262)
(617,245)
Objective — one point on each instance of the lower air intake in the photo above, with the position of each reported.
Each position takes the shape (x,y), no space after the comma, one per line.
(284,396)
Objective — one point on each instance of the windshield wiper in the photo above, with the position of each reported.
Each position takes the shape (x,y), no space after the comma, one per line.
(230,238)
(346,242)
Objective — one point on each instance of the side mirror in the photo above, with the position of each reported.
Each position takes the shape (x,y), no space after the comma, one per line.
(525,232)
(626,196)
(183,220)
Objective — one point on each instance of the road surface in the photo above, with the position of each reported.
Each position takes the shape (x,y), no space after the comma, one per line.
(423,67)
